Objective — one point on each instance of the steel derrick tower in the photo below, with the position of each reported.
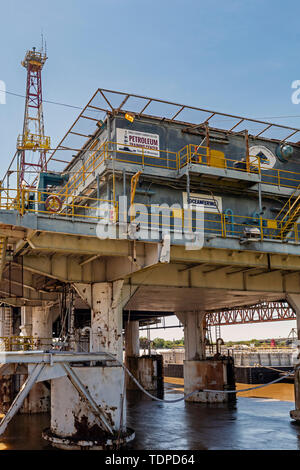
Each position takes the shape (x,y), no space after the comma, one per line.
(33,137)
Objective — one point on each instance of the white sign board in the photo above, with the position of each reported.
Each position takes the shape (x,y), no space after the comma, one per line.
(267,158)
(205,201)
(131,141)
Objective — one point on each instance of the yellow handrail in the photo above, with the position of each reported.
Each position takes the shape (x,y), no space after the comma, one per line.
(167,159)
(288,203)
(86,207)
(23,343)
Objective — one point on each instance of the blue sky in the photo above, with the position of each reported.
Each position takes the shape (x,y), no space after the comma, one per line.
(236,56)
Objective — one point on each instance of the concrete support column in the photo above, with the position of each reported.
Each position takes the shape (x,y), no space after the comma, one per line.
(106,320)
(6,321)
(132,339)
(132,352)
(2,321)
(26,321)
(6,382)
(42,326)
(200,373)
(194,335)
(148,370)
(294,302)
(73,424)
(38,400)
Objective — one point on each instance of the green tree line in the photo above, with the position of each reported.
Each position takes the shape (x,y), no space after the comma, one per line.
(160,343)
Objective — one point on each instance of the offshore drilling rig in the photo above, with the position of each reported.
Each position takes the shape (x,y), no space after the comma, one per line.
(145,208)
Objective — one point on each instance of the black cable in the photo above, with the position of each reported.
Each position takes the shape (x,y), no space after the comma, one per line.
(78,107)
(44,101)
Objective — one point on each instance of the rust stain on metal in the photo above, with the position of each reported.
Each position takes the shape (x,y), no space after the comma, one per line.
(117,336)
(211,374)
(84,431)
(6,393)
(107,410)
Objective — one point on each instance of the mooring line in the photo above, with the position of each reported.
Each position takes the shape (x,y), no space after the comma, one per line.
(195,391)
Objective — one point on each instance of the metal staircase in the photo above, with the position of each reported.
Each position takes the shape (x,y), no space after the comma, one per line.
(289,214)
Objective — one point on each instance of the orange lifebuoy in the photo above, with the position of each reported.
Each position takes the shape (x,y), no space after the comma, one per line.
(53,203)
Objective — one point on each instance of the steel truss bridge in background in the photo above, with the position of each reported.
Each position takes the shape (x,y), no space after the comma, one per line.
(263,312)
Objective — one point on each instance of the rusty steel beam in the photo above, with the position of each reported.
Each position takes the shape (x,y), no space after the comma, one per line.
(264,130)
(81,135)
(242,118)
(123,102)
(288,136)
(143,109)
(176,114)
(259,313)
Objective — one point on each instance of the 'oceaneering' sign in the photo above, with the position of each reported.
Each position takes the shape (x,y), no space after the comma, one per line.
(205,201)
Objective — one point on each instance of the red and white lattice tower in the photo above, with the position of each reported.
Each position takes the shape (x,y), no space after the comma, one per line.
(33,138)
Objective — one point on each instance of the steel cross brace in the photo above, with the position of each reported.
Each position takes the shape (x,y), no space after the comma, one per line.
(85,394)
(18,401)
(76,382)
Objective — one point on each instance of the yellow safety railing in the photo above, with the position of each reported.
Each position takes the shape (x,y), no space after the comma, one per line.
(149,216)
(288,205)
(202,155)
(142,155)
(23,343)
(98,155)
(81,206)
(281,178)
(30,141)
(165,159)
(159,159)
(118,152)
(221,224)
(206,156)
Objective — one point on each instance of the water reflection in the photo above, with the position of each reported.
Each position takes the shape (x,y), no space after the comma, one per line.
(251,423)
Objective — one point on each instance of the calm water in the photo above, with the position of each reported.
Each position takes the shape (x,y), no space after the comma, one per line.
(253,423)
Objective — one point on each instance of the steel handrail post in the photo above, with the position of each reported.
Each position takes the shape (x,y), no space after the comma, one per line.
(22,201)
(224,222)
(261,228)
(73,212)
